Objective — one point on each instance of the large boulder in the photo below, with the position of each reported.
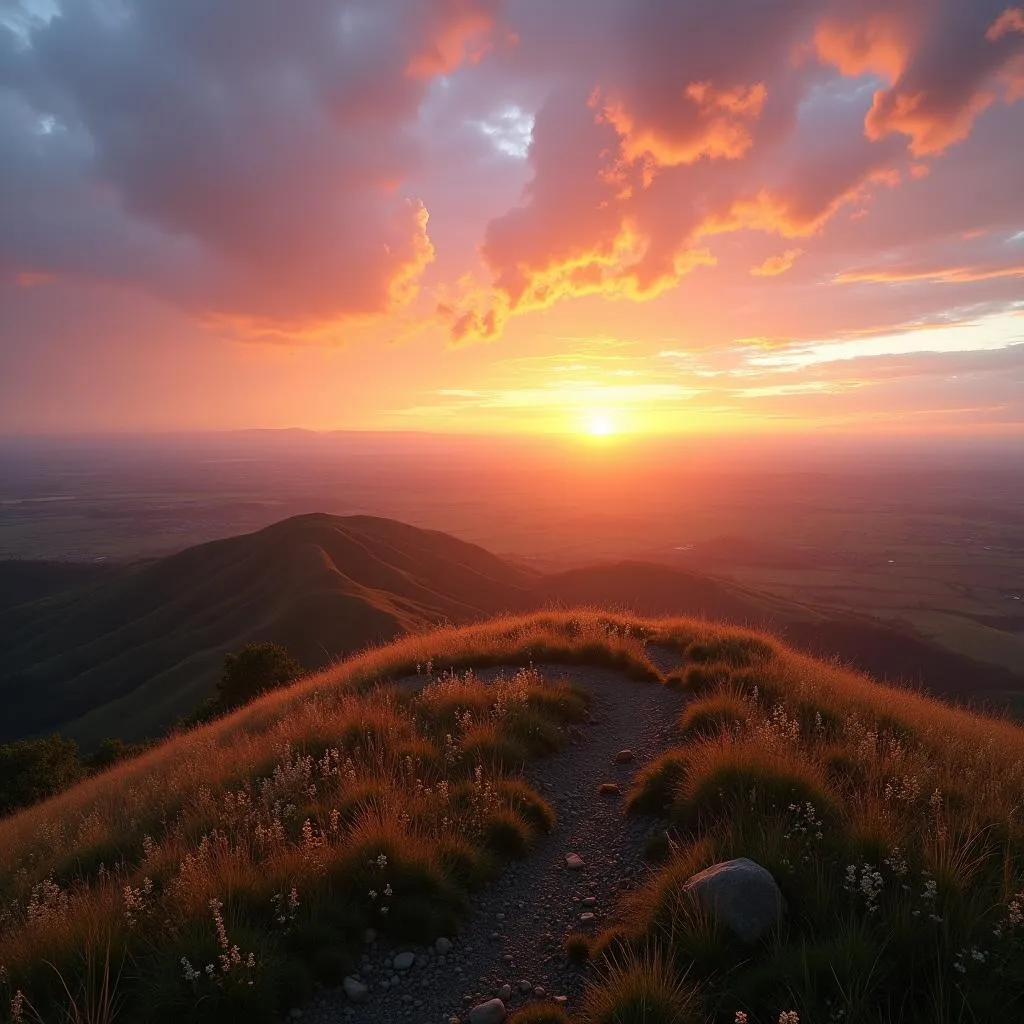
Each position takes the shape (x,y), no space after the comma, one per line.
(741,895)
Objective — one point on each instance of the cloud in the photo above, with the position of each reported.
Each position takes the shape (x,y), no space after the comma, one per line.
(292,173)
(945,62)
(247,162)
(938,275)
(775,265)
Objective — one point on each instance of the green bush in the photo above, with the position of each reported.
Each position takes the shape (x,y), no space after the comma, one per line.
(32,770)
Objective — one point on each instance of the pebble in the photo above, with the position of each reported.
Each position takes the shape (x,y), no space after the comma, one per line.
(442,947)
(403,961)
(505,993)
(624,756)
(524,986)
(491,1012)
(355,990)
(573,861)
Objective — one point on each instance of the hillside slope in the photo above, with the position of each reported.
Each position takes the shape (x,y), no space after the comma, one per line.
(146,648)
(231,868)
(125,652)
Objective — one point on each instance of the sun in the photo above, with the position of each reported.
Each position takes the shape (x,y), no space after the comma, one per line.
(600,423)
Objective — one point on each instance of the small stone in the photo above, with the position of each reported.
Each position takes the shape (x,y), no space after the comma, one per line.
(524,986)
(540,991)
(422,961)
(403,961)
(590,901)
(608,788)
(355,990)
(505,992)
(561,1000)
(624,757)
(573,861)
(587,918)
(296,1014)
(442,947)
(491,1012)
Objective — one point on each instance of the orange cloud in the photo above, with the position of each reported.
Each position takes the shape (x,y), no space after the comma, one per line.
(938,275)
(718,126)
(878,44)
(1011,20)
(463,39)
(785,212)
(618,270)
(775,265)
(914,114)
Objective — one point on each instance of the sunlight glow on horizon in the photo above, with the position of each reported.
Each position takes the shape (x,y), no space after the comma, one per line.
(601,423)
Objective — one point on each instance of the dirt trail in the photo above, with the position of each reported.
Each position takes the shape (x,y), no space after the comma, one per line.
(517,928)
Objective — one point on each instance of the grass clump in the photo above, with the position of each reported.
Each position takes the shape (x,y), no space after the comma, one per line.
(577,947)
(713,715)
(642,990)
(656,784)
(540,1013)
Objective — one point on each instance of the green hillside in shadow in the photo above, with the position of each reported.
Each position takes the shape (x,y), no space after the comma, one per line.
(97,651)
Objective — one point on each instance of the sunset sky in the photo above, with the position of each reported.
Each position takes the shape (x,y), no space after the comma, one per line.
(634,216)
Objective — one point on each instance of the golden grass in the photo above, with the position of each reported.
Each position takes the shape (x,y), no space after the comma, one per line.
(303,789)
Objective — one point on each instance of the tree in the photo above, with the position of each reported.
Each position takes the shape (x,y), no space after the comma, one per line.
(32,770)
(253,670)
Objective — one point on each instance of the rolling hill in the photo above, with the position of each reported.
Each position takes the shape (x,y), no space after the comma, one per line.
(126,651)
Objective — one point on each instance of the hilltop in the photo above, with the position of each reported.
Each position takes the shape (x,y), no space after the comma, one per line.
(432,790)
(104,650)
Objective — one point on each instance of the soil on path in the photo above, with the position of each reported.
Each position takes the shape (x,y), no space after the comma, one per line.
(516,932)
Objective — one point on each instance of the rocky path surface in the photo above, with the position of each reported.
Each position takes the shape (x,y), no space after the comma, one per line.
(513,945)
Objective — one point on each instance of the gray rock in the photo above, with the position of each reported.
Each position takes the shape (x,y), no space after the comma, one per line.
(573,861)
(741,894)
(491,1012)
(505,993)
(524,986)
(355,990)
(403,961)
(442,947)
(624,757)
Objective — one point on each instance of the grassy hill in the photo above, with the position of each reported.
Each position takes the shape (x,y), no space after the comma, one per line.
(264,844)
(107,651)
(133,654)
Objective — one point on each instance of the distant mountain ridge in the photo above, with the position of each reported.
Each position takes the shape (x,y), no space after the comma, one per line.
(125,652)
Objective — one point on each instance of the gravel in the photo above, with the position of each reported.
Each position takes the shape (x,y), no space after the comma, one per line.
(512,945)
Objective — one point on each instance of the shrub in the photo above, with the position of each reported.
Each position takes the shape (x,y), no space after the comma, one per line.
(253,670)
(32,770)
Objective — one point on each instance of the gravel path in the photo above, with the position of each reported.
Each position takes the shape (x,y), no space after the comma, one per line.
(512,946)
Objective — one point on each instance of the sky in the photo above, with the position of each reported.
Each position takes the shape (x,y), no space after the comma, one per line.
(592,216)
